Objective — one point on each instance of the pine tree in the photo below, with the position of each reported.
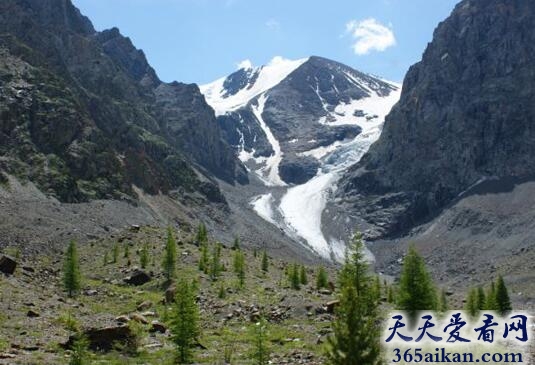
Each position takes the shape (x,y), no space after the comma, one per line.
(303,276)
(356,333)
(144,256)
(377,288)
(481,299)
(169,259)
(106,259)
(204,259)
(184,324)
(260,355)
(471,305)
(115,253)
(79,351)
(503,302)
(72,279)
(202,235)
(416,289)
(490,303)
(239,267)
(265,261)
(295,280)
(215,265)
(321,278)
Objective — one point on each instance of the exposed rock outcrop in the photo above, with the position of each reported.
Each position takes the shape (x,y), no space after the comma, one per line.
(466,113)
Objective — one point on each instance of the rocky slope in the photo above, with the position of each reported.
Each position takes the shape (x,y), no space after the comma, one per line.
(38,318)
(466,115)
(84,116)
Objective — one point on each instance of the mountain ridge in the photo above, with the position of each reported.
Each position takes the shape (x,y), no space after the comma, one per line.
(130,131)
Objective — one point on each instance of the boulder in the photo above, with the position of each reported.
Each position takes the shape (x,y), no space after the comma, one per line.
(144,306)
(105,338)
(158,327)
(138,277)
(330,306)
(7,265)
(32,314)
(139,318)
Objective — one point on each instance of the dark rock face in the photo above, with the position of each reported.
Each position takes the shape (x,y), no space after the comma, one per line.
(84,116)
(7,265)
(467,112)
(299,169)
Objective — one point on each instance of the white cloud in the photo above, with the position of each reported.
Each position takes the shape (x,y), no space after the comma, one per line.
(370,35)
(246,64)
(273,24)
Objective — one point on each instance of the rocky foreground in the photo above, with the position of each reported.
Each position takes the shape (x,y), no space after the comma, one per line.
(123,310)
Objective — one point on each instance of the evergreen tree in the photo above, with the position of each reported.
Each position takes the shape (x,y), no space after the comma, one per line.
(303,276)
(295,280)
(106,259)
(202,235)
(356,332)
(265,261)
(215,265)
(416,289)
(79,351)
(184,324)
(255,253)
(169,259)
(260,353)
(490,303)
(144,256)
(72,278)
(481,299)
(115,253)
(204,260)
(377,288)
(471,305)
(239,267)
(503,302)
(321,278)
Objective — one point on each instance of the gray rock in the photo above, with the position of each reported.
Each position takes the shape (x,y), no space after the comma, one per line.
(464,114)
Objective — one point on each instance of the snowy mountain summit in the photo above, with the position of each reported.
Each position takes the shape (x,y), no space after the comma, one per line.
(296,125)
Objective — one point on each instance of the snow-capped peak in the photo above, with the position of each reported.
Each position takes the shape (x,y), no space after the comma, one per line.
(253,81)
(245,65)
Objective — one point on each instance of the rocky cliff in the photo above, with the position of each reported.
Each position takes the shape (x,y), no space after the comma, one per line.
(466,114)
(84,116)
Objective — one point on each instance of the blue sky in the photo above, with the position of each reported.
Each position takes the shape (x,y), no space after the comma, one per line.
(202,40)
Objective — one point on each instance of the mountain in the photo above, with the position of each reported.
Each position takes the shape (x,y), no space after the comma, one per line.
(465,116)
(84,116)
(296,125)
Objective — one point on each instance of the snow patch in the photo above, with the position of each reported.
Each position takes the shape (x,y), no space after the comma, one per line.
(270,172)
(269,76)
(263,206)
